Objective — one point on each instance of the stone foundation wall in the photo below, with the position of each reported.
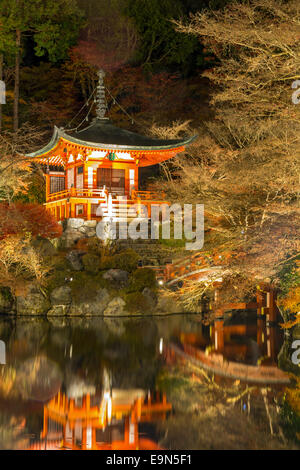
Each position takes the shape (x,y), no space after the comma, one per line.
(60,303)
(76,229)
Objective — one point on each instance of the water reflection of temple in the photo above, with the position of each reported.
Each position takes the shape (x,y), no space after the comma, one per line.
(245,351)
(110,422)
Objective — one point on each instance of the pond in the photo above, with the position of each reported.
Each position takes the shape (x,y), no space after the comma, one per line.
(174,382)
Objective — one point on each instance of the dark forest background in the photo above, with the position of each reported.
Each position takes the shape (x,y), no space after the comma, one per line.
(50,51)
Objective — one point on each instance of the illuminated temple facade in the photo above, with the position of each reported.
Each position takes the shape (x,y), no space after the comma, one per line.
(98,166)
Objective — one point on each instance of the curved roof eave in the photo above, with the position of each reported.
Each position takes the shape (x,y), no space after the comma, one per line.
(48,147)
(60,133)
(122,146)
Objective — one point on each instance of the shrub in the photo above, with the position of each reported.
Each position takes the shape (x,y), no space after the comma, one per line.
(135,302)
(126,260)
(95,245)
(141,278)
(84,286)
(107,262)
(91,262)
(21,218)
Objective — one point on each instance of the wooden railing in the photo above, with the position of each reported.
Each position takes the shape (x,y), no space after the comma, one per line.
(136,196)
(148,195)
(59,195)
(76,192)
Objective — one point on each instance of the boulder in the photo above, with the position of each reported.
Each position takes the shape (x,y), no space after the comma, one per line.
(74,223)
(61,296)
(150,297)
(58,321)
(91,223)
(115,307)
(88,231)
(93,307)
(32,303)
(74,258)
(69,238)
(6,300)
(58,311)
(115,326)
(118,276)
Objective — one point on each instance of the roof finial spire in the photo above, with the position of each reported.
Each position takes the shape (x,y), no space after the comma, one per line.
(101,100)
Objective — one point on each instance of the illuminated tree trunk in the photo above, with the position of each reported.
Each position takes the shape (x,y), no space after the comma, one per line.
(17,81)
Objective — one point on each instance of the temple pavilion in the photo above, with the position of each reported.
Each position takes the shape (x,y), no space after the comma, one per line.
(98,166)
(113,422)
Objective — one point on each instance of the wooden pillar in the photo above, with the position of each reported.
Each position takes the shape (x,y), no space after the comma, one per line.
(126,430)
(47,186)
(94,443)
(59,399)
(71,405)
(89,210)
(67,209)
(45,425)
(260,302)
(219,335)
(84,440)
(139,204)
(273,311)
(272,346)
(139,408)
(136,177)
(73,208)
(261,334)
(73,439)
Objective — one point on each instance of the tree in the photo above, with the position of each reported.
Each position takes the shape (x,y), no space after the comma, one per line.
(19,218)
(289,300)
(159,43)
(245,166)
(109,39)
(7,47)
(15,170)
(21,223)
(54,26)
(21,262)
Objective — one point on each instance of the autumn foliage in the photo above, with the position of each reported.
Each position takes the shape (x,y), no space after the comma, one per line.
(18,218)
(245,167)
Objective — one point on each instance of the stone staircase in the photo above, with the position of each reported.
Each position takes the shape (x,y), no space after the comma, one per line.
(151,252)
(117,210)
